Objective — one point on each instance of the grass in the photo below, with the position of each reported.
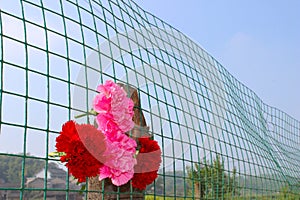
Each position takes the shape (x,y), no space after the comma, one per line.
(248,197)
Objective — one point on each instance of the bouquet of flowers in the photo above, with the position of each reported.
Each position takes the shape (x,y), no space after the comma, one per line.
(110,150)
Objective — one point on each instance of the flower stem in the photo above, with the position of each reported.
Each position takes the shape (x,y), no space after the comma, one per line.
(91,112)
(136,153)
(57,154)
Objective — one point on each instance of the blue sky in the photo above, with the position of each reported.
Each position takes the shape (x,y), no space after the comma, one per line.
(257,41)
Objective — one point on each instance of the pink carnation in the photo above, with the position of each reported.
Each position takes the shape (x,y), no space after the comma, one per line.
(114,108)
(122,141)
(106,124)
(120,161)
(115,112)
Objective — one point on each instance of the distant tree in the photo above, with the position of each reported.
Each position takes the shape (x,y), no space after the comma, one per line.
(211,180)
(198,178)
(290,192)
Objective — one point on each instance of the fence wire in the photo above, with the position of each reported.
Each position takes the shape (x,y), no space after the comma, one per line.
(219,140)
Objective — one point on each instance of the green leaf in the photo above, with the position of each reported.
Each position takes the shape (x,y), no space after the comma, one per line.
(57,154)
(82,189)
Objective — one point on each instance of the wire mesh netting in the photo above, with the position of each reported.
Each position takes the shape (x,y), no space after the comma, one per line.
(218,139)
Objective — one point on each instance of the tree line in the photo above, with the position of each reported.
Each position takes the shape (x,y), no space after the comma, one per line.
(11,168)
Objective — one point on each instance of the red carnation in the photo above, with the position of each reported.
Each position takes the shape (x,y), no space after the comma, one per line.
(148,162)
(83,146)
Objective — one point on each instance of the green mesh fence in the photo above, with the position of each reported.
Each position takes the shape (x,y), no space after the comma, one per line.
(219,140)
